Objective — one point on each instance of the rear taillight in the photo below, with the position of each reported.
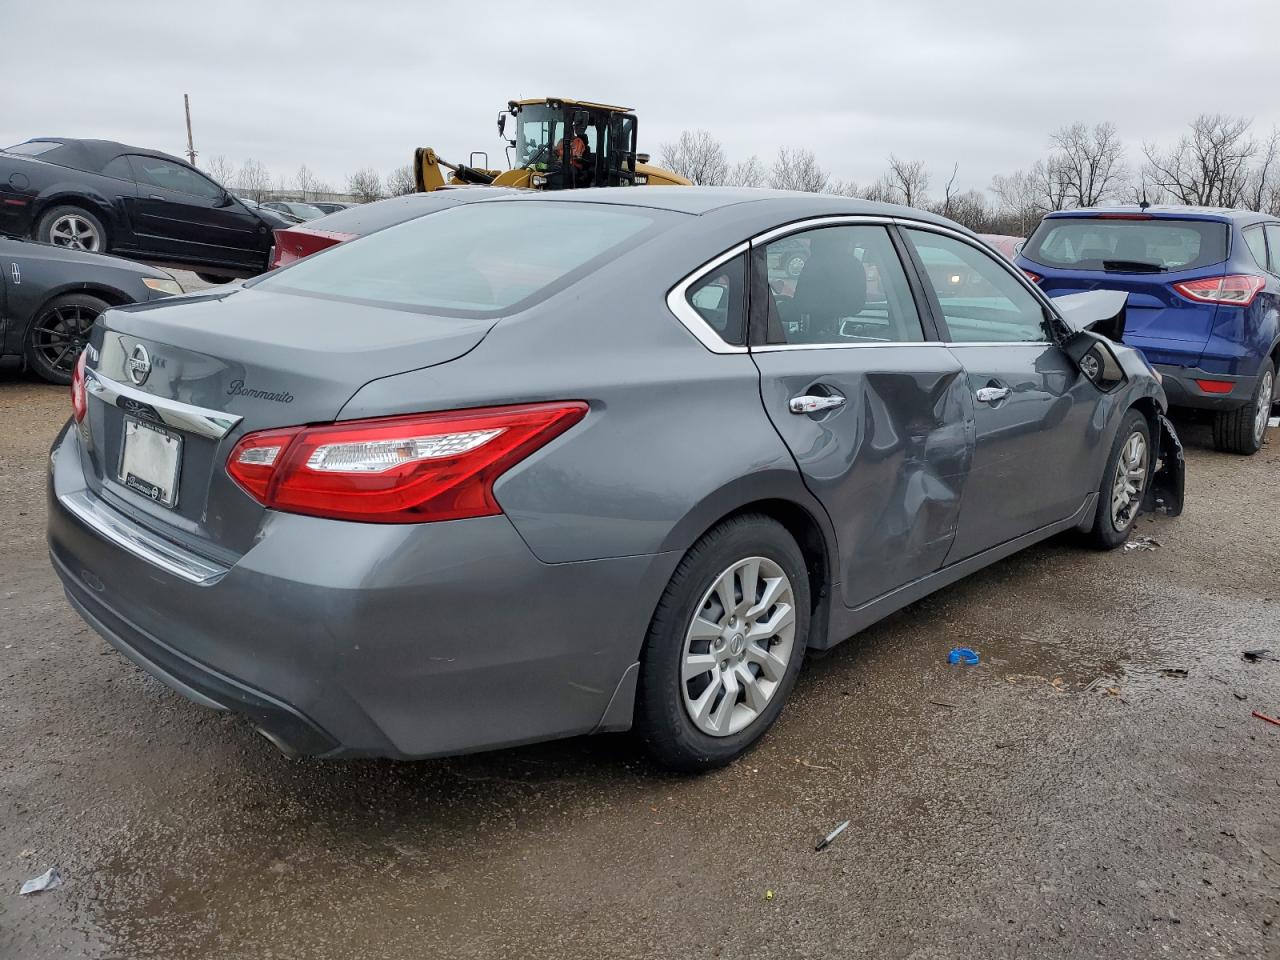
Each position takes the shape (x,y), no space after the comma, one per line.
(294,243)
(79,396)
(1237,289)
(410,469)
(1033,277)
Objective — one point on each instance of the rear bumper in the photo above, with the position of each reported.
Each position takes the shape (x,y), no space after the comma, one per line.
(1182,390)
(348,639)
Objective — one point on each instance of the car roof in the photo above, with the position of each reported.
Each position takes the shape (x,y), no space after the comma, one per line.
(703,200)
(93,155)
(1166,212)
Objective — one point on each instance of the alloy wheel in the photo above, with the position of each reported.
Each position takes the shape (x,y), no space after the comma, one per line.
(1266,392)
(75,232)
(738,646)
(1130,481)
(60,333)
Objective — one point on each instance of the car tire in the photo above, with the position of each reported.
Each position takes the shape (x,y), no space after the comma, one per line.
(57,334)
(72,227)
(1242,430)
(748,548)
(214,278)
(1131,454)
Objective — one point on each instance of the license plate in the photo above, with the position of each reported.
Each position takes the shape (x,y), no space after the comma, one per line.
(150,461)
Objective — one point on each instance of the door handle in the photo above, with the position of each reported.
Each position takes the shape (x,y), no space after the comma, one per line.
(991,394)
(812,404)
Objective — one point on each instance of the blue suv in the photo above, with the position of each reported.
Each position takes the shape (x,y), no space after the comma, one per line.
(1204,300)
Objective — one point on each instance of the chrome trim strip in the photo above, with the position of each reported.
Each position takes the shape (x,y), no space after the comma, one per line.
(1000,343)
(689,317)
(214,424)
(129,536)
(780,347)
(833,220)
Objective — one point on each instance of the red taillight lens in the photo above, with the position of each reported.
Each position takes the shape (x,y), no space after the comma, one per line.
(79,396)
(1237,289)
(412,469)
(1033,277)
(1215,386)
(294,243)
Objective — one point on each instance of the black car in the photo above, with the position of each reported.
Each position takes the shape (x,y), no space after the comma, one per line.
(331,206)
(50,296)
(108,197)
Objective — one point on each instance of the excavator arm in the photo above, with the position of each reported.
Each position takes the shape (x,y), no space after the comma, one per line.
(428,172)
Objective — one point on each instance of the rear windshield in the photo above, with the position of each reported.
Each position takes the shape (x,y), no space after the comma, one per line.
(32,148)
(1127,246)
(478,259)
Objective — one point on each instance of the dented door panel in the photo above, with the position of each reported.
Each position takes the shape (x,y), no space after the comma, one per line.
(889,464)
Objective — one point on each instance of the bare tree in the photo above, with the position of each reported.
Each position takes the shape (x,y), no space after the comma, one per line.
(305,181)
(220,169)
(1210,166)
(747,173)
(797,169)
(843,188)
(1262,189)
(400,181)
(881,191)
(1088,163)
(365,185)
(973,210)
(698,156)
(909,180)
(949,192)
(254,181)
(1020,201)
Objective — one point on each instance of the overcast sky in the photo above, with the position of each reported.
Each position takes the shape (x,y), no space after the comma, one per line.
(341,85)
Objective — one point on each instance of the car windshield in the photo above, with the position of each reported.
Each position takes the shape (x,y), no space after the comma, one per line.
(538,129)
(473,260)
(305,210)
(1127,245)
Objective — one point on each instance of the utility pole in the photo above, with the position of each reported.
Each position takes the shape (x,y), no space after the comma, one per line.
(191,147)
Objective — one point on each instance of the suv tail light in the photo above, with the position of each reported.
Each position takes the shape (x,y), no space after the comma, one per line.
(1237,289)
(79,396)
(1033,277)
(409,469)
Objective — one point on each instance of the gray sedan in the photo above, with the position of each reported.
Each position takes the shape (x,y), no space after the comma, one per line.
(542,465)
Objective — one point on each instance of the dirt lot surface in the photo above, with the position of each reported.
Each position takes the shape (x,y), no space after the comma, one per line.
(1075,795)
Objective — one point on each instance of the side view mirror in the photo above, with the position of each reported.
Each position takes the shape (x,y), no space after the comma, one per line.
(226,199)
(1095,358)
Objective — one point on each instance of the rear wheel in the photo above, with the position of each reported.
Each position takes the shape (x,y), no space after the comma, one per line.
(214,278)
(59,332)
(725,645)
(73,228)
(1124,483)
(1241,430)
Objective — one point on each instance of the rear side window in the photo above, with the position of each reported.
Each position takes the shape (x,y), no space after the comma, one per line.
(472,260)
(1257,245)
(1127,246)
(1273,244)
(720,298)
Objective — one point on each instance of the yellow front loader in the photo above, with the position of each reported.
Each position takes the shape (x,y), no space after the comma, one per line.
(599,140)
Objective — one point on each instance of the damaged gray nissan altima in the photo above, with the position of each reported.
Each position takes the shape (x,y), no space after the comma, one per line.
(542,465)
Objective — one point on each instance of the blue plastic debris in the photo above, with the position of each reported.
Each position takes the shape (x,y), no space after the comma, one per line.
(963,655)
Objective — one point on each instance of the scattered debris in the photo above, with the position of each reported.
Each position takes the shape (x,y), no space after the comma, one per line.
(1239,696)
(51,879)
(943,703)
(963,655)
(1173,672)
(1262,716)
(1257,656)
(768,894)
(826,841)
(812,766)
(1142,543)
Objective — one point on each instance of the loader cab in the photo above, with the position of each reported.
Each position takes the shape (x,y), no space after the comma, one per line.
(534,129)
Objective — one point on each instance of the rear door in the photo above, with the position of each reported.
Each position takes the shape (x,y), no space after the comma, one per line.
(1033,408)
(184,215)
(874,409)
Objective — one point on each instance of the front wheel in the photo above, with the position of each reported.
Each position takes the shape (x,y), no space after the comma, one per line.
(59,332)
(214,278)
(725,645)
(1241,430)
(1124,483)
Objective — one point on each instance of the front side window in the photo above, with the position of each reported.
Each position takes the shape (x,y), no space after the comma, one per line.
(475,259)
(839,285)
(173,176)
(980,300)
(720,299)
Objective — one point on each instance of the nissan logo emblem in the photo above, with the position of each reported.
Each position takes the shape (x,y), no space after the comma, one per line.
(139,365)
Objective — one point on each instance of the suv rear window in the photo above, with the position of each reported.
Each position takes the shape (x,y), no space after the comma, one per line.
(473,260)
(1127,246)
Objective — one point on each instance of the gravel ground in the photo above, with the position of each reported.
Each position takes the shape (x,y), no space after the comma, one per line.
(1075,795)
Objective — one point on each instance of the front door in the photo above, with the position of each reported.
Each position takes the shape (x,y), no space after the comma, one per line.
(872,407)
(1032,407)
(181,214)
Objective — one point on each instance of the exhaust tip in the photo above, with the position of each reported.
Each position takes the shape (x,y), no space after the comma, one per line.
(279,744)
